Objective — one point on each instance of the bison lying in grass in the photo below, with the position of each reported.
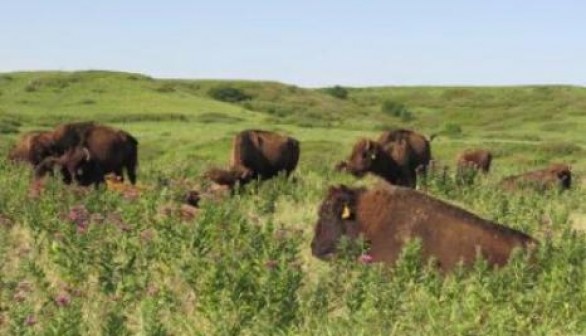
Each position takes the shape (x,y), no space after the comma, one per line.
(555,176)
(257,154)
(388,217)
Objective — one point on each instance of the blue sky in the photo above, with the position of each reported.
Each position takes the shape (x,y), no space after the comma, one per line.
(308,43)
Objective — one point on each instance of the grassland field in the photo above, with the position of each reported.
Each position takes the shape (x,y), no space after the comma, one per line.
(97,263)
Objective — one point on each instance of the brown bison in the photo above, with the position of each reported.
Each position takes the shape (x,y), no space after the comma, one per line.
(397,156)
(470,162)
(76,164)
(113,150)
(32,147)
(391,162)
(477,159)
(556,175)
(258,154)
(390,216)
(419,146)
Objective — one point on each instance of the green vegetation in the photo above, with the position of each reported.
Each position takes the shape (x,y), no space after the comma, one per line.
(99,263)
(337,91)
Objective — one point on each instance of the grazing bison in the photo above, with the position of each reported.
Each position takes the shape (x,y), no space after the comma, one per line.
(391,162)
(419,146)
(32,147)
(556,175)
(470,162)
(390,216)
(397,156)
(258,154)
(76,164)
(477,159)
(113,150)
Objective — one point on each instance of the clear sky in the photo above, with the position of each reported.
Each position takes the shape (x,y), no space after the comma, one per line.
(303,42)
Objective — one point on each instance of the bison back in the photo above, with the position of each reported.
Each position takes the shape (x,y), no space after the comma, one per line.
(395,215)
(265,153)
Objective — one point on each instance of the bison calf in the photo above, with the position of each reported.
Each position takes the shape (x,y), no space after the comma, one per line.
(389,217)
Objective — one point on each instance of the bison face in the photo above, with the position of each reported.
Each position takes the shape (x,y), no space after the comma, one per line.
(565,178)
(336,220)
(364,156)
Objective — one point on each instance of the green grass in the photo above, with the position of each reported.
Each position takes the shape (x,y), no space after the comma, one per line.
(94,262)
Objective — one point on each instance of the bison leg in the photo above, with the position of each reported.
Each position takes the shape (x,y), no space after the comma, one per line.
(131,169)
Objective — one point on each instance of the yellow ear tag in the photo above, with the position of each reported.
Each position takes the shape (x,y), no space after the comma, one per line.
(346,212)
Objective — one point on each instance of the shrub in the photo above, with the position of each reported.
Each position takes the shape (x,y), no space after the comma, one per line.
(452,129)
(228,94)
(337,91)
(392,108)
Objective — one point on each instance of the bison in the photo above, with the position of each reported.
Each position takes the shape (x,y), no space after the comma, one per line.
(113,150)
(76,164)
(556,175)
(419,145)
(397,156)
(477,159)
(470,162)
(32,147)
(391,162)
(388,217)
(257,154)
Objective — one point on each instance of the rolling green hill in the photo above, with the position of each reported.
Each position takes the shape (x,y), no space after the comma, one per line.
(537,124)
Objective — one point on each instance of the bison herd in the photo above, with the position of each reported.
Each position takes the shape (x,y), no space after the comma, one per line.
(385,217)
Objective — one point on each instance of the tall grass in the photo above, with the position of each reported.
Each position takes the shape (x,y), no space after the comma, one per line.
(94,262)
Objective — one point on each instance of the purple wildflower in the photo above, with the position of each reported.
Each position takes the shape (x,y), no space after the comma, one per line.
(30,321)
(63,300)
(271,264)
(365,259)
(80,216)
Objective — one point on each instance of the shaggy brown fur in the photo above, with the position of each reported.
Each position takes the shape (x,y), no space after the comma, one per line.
(70,135)
(32,147)
(391,162)
(113,150)
(477,159)
(258,154)
(419,147)
(76,165)
(390,216)
(556,175)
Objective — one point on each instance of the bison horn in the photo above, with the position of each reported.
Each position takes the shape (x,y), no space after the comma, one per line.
(367,145)
(87,154)
(346,212)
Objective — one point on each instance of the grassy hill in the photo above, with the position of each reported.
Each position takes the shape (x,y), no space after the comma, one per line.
(546,120)
(98,263)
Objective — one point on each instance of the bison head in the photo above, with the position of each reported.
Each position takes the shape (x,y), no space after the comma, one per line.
(364,157)
(337,219)
(563,174)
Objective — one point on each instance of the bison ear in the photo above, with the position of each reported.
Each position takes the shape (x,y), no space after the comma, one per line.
(346,213)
